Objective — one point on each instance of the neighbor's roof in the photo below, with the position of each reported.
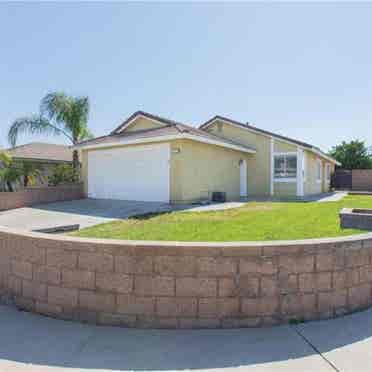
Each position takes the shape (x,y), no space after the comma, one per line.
(170,128)
(267,133)
(42,151)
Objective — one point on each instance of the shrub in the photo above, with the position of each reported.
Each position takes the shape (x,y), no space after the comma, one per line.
(63,173)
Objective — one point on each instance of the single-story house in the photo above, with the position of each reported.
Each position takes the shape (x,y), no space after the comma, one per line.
(43,155)
(150,158)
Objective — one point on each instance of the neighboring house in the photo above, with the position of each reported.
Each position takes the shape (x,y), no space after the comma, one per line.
(150,158)
(44,155)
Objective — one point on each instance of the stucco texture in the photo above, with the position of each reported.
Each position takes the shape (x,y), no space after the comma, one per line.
(142,124)
(258,164)
(311,185)
(280,146)
(285,189)
(198,169)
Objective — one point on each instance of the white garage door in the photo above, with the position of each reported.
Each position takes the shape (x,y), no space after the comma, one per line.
(130,173)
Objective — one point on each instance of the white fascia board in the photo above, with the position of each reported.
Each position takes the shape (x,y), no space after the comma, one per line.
(311,149)
(167,138)
(218,143)
(127,125)
(328,158)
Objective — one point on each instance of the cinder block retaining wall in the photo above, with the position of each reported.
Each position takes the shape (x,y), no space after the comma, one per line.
(38,195)
(185,285)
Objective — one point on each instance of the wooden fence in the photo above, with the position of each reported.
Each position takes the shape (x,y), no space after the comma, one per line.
(355,179)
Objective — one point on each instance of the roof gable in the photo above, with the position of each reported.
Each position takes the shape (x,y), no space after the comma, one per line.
(143,120)
(166,130)
(138,122)
(266,133)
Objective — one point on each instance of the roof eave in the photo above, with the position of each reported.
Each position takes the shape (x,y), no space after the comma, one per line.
(242,126)
(168,138)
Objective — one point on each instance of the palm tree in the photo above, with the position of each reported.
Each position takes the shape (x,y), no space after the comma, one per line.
(59,115)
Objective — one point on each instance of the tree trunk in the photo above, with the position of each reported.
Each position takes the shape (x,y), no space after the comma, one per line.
(10,186)
(76,163)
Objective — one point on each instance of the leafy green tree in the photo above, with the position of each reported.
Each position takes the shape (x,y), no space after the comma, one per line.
(30,172)
(352,155)
(12,172)
(59,114)
(8,172)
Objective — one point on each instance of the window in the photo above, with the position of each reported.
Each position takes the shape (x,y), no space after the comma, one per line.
(285,166)
(328,172)
(319,171)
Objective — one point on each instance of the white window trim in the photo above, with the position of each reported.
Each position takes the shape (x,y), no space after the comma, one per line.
(285,180)
(286,153)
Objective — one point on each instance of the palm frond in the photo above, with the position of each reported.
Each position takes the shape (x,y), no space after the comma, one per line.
(71,112)
(32,125)
(85,134)
(5,158)
(79,118)
(57,106)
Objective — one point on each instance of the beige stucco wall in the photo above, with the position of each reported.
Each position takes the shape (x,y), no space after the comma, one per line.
(311,185)
(258,164)
(196,169)
(199,169)
(280,146)
(143,123)
(285,188)
(327,183)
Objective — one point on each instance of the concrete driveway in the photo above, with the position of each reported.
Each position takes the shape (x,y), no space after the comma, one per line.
(90,212)
(31,342)
(84,212)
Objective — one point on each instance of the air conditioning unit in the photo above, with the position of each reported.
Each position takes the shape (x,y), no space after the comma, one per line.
(218,196)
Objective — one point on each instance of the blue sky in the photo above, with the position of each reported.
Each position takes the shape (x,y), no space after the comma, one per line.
(302,70)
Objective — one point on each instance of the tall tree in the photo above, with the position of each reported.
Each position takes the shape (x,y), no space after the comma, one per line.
(59,114)
(352,155)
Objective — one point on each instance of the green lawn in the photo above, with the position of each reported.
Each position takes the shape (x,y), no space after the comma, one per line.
(253,221)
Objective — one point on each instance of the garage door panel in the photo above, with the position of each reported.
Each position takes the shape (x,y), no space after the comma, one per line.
(132,173)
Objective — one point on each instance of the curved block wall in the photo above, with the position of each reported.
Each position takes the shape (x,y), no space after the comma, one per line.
(185,285)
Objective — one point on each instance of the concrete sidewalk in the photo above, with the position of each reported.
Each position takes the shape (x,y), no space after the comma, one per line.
(34,343)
